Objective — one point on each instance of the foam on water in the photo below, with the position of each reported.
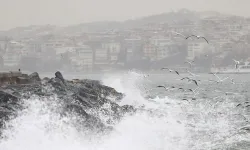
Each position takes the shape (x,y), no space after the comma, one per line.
(176,125)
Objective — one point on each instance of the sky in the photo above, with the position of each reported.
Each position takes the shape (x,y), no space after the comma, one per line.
(14,13)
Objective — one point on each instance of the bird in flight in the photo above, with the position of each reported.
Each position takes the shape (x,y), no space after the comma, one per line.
(179,34)
(181,89)
(190,63)
(219,79)
(194,81)
(236,63)
(189,80)
(194,91)
(177,72)
(170,70)
(185,78)
(162,86)
(198,37)
(192,74)
(232,81)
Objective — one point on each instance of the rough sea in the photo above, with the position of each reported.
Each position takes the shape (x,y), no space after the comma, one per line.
(175,120)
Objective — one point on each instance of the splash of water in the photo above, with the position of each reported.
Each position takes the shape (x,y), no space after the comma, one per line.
(167,124)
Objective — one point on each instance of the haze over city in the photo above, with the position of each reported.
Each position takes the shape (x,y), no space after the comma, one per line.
(16,13)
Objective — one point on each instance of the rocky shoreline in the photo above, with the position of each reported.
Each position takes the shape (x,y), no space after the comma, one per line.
(77,96)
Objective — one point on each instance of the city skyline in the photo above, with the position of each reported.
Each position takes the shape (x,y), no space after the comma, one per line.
(63,13)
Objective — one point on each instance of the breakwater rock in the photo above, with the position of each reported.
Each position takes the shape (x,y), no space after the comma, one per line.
(78,97)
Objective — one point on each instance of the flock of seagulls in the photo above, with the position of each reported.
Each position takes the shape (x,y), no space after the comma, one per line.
(197,36)
(192,79)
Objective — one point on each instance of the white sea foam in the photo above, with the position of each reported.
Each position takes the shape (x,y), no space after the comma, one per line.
(172,126)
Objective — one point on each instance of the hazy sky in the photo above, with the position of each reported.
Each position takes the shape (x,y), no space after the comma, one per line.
(65,12)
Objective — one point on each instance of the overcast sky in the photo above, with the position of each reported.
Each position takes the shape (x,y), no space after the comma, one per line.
(15,13)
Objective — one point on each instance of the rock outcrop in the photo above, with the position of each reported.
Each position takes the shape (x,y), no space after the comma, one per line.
(77,97)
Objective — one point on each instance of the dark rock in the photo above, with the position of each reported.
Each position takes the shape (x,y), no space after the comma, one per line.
(77,109)
(128,108)
(6,97)
(22,80)
(59,76)
(34,77)
(46,79)
(77,98)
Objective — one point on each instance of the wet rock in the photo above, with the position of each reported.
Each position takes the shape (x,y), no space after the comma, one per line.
(6,97)
(46,79)
(76,109)
(59,76)
(34,77)
(77,97)
(22,80)
(128,109)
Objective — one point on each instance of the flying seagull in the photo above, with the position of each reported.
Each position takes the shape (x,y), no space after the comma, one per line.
(177,72)
(236,63)
(198,37)
(189,80)
(190,63)
(181,88)
(194,91)
(162,86)
(170,70)
(192,74)
(179,34)
(232,81)
(219,79)
(194,81)
(185,78)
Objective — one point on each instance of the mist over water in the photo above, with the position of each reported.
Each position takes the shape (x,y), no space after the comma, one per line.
(165,123)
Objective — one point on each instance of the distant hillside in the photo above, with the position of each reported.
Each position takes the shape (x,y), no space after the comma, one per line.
(182,15)
(179,16)
(30,31)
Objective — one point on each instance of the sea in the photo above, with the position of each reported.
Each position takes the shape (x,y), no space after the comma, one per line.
(207,119)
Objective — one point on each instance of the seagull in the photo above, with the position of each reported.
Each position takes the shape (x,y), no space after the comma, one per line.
(177,72)
(170,70)
(238,105)
(198,37)
(192,74)
(232,81)
(236,63)
(189,79)
(161,86)
(179,34)
(190,63)
(185,78)
(194,91)
(184,99)
(181,89)
(194,81)
(219,79)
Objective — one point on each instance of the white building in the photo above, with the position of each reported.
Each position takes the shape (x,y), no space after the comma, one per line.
(11,59)
(160,40)
(101,57)
(196,48)
(133,47)
(83,58)
(150,51)
(113,48)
